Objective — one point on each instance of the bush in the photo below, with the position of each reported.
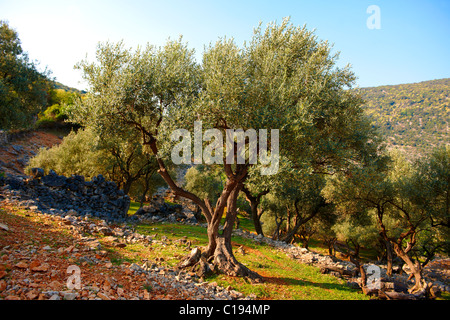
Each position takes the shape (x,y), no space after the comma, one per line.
(52,117)
(45,123)
(75,155)
(84,153)
(57,112)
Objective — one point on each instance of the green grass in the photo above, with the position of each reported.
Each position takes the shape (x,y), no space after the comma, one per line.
(444,296)
(134,206)
(245,223)
(285,278)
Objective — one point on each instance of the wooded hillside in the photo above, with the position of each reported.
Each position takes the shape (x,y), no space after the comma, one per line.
(414,117)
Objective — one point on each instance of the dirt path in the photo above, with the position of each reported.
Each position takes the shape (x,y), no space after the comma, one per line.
(35,254)
(42,256)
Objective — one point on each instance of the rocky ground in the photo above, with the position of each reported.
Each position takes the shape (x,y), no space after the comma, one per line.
(437,272)
(45,250)
(42,256)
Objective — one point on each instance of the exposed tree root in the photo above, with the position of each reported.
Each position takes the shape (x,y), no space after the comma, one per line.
(223,261)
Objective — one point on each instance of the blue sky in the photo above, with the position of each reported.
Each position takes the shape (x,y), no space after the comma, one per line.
(412,44)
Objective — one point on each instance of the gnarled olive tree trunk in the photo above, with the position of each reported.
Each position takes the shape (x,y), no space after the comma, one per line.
(416,269)
(300,219)
(219,245)
(420,286)
(224,258)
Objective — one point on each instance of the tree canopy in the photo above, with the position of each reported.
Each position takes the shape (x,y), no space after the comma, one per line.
(23,88)
(405,202)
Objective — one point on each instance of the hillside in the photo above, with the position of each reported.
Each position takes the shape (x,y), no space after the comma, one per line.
(138,258)
(59,85)
(414,117)
(126,265)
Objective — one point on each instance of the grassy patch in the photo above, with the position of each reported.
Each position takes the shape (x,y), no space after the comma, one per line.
(444,296)
(174,231)
(285,279)
(134,206)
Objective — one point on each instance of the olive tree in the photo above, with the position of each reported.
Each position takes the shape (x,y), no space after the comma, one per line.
(432,187)
(284,78)
(430,191)
(118,157)
(296,202)
(356,232)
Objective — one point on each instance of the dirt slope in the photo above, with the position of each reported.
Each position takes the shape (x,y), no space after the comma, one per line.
(14,156)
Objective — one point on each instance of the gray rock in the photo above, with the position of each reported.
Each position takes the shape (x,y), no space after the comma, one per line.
(37,173)
(353,284)
(70,295)
(106,231)
(54,180)
(17,148)
(4,227)
(55,297)
(136,267)
(72,212)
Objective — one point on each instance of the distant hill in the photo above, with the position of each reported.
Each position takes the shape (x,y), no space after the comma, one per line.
(414,117)
(58,85)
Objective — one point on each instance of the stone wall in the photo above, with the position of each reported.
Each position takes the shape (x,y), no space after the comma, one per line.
(59,194)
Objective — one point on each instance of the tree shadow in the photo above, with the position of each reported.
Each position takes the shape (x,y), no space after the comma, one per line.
(328,286)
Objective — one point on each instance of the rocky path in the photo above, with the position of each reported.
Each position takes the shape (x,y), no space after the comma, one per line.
(53,257)
(53,254)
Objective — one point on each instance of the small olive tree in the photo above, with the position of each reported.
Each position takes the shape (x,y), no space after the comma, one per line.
(118,157)
(405,217)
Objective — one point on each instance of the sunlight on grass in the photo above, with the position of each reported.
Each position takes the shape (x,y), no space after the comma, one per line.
(285,278)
